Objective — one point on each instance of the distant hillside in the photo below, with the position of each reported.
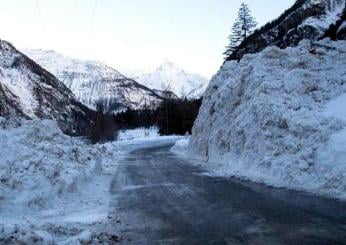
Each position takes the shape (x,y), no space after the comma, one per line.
(94,82)
(28,91)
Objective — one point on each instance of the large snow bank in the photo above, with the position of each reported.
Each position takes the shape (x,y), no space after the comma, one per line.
(54,189)
(39,163)
(278,117)
(48,180)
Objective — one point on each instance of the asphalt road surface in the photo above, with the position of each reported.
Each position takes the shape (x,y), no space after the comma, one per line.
(162,199)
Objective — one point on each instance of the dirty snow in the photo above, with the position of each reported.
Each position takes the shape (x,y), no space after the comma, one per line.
(278,117)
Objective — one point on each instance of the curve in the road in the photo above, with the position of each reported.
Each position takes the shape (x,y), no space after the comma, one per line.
(162,199)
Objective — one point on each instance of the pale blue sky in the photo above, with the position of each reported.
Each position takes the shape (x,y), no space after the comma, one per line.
(131,34)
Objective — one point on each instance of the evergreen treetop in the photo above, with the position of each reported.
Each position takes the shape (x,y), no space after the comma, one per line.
(243,26)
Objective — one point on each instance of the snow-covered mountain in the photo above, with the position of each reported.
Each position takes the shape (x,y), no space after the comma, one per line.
(170,77)
(310,19)
(278,116)
(94,82)
(29,91)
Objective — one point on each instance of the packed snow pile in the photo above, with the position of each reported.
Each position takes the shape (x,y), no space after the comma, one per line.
(278,117)
(180,147)
(55,189)
(39,163)
(51,183)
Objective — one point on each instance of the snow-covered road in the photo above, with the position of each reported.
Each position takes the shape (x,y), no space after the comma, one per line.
(162,199)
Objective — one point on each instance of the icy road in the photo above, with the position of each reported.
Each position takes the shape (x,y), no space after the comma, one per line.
(161,199)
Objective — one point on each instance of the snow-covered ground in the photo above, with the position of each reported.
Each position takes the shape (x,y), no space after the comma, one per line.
(54,188)
(140,133)
(278,117)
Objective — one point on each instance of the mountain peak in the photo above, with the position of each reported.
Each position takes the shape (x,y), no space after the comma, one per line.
(168,65)
(167,62)
(180,82)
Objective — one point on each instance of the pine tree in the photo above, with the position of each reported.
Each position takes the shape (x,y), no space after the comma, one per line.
(242,28)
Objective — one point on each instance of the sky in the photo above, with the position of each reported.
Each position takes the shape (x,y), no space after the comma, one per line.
(132,35)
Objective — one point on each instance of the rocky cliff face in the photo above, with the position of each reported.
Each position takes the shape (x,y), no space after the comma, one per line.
(29,91)
(337,31)
(94,82)
(306,19)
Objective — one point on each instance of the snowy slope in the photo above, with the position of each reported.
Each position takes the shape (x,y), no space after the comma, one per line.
(178,81)
(332,11)
(93,82)
(306,19)
(27,90)
(278,117)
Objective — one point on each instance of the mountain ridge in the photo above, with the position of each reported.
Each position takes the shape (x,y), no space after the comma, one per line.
(29,91)
(94,82)
(168,76)
(306,19)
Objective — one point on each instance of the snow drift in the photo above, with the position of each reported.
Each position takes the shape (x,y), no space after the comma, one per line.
(278,117)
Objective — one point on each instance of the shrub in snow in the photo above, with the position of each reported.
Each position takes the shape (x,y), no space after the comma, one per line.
(266,118)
